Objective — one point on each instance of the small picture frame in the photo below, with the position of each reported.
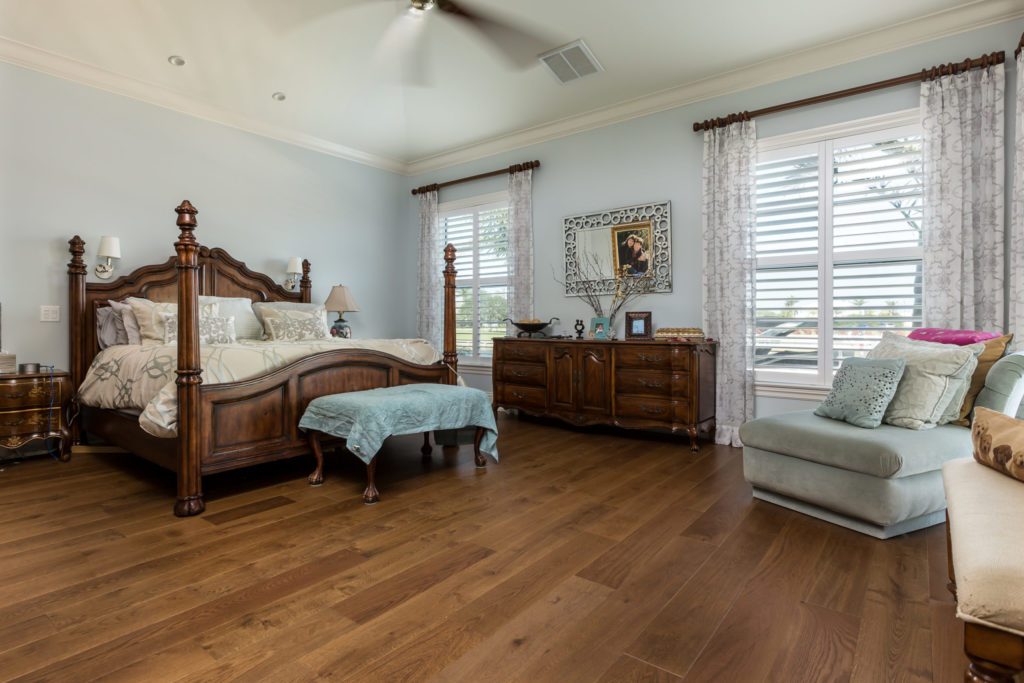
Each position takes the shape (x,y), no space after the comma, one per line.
(599,328)
(638,325)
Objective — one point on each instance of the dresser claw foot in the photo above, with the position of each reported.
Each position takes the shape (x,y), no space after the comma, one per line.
(189,506)
(478,457)
(371,495)
(317,477)
(692,433)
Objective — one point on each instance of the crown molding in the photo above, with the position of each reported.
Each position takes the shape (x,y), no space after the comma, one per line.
(962,19)
(53,64)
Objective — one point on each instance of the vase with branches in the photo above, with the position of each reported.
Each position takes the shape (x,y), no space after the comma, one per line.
(627,287)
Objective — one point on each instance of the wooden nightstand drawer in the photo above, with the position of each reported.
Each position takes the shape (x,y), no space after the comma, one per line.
(533,375)
(16,422)
(15,394)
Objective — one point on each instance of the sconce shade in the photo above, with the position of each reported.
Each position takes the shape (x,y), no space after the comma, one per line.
(340,300)
(294,265)
(110,247)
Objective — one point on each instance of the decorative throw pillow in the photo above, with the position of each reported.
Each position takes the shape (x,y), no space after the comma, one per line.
(247,325)
(277,309)
(125,320)
(998,442)
(933,376)
(298,326)
(956,337)
(151,324)
(212,329)
(862,390)
(994,350)
(107,332)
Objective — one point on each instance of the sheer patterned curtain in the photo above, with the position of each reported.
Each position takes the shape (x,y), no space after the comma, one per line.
(520,244)
(962,118)
(1016,322)
(730,162)
(430,312)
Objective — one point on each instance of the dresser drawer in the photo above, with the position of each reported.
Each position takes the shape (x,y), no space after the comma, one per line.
(17,422)
(516,395)
(647,383)
(518,373)
(29,394)
(521,351)
(652,408)
(654,358)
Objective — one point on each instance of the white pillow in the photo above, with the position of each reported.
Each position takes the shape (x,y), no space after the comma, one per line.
(296,326)
(932,378)
(247,325)
(212,329)
(125,320)
(151,324)
(271,309)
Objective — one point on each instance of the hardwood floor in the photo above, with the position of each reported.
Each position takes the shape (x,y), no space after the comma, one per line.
(584,556)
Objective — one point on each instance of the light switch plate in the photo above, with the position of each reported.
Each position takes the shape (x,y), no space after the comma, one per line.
(49,314)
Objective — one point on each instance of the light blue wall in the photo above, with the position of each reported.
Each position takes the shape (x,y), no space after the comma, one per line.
(659,157)
(76,160)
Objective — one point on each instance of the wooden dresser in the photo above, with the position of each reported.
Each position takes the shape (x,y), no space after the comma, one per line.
(634,384)
(34,406)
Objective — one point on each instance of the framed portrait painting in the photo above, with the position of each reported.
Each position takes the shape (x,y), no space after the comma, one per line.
(638,325)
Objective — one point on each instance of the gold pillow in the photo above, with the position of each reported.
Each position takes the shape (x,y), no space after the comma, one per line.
(999,442)
(994,350)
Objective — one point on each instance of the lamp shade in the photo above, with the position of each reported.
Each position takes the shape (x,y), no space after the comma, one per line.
(294,265)
(110,247)
(340,300)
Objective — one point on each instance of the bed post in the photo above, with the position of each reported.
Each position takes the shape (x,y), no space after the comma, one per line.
(190,493)
(305,285)
(76,321)
(450,355)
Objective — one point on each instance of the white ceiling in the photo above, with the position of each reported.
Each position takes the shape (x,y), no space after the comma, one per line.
(343,100)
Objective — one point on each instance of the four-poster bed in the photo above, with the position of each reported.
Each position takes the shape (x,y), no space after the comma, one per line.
(228,425)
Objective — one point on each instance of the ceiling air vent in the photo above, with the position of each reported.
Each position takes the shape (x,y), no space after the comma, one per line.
(571,61)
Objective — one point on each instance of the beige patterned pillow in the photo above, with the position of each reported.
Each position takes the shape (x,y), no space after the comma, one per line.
(296,326)
(998,442)
(212,329)
(151,325)
(278,309)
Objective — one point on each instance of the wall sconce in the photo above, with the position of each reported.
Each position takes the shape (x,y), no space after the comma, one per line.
(110,247)
(294,271)
(340,300)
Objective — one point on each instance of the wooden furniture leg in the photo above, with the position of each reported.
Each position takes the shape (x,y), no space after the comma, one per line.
(692,433)
(427,450)
(478,457)
(996,656)
(317,477)
(371,495)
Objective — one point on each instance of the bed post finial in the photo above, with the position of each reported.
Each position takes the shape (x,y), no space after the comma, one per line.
(450,355)
(190,491)
(76,320)
(305,284)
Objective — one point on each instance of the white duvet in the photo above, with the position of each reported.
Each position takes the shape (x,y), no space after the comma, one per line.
(131,377)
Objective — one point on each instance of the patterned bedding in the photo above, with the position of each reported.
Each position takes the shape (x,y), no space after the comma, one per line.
(130,377)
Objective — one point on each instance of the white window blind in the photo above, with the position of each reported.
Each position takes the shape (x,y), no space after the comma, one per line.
(838,244)
(478,228)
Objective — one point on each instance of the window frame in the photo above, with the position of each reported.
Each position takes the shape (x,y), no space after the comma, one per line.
(475,205)
(824,141)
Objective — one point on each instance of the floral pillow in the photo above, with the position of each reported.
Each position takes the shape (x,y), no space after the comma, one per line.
(999,442)
(149,315)
(298,326)
(212,329)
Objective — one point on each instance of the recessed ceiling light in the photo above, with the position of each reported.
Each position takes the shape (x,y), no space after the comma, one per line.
(279,96)
(176,60)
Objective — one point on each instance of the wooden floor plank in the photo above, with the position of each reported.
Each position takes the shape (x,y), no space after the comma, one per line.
(630,670)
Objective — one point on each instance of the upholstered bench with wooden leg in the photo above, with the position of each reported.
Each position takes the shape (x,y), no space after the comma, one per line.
(366,418)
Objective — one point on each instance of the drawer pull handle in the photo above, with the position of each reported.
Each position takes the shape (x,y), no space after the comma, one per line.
(518,395)
(520,352)
(519,373)
(18,395)
(650,359)
(652,410)
(14,423)
(657,384)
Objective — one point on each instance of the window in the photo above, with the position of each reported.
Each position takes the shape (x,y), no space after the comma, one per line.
(838,245)
(478,227)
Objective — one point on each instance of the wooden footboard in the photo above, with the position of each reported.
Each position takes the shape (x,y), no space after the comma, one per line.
(227,426)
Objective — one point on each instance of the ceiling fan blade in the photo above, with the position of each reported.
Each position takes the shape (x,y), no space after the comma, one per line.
(518,44)
(398,54)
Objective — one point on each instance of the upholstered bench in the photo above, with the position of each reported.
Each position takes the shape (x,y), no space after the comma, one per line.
(366,418)
(986,566)
(882,482)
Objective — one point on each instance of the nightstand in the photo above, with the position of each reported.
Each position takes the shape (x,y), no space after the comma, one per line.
(34,406)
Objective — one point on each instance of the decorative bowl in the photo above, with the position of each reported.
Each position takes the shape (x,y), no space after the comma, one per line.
(526,328)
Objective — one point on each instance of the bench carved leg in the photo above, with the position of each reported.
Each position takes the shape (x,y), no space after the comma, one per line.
(478,457)
(996,656)
(317,477)
(371,495)
(427,450)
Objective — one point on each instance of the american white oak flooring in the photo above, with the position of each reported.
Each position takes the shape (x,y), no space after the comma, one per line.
(585,555)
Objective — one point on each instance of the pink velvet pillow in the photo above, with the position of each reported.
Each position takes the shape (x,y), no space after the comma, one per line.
(957,337)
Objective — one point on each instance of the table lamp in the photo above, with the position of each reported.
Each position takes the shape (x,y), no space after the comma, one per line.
(340,300)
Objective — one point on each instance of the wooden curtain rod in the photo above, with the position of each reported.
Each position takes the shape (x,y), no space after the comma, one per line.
(514,168)
(923,75)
